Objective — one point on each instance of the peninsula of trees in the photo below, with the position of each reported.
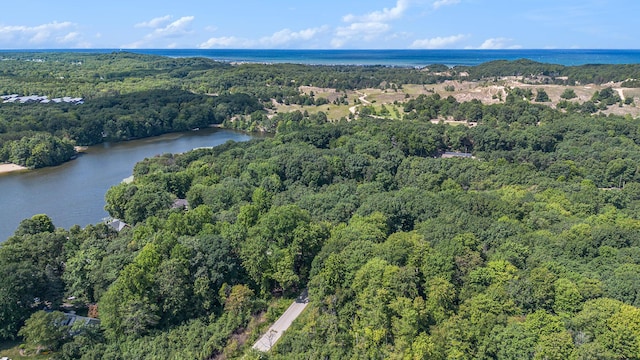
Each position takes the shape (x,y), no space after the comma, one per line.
(523,242)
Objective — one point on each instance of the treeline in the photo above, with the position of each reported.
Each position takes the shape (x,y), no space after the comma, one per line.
(583,74)
(39,135)
(99,75)
(124,117)
(39,150)
(282,80)
(94,75)
(517,100)
(550,140)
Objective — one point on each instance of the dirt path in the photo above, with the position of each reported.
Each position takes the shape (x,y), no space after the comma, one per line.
(363,100)
(274,333)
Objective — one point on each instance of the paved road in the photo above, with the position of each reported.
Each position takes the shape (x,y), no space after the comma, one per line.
(274,333)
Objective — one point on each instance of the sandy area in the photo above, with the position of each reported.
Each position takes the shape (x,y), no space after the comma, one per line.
(7,168)
(488,92)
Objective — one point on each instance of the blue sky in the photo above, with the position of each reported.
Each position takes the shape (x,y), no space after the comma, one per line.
(326,24)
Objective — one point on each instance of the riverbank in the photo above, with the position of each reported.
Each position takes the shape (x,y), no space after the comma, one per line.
(7,168)
(73,193)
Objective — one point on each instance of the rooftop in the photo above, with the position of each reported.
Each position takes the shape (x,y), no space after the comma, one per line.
(452,154)
(15,98)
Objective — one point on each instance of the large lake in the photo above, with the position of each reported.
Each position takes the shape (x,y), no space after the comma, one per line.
(73,193)
(408,58)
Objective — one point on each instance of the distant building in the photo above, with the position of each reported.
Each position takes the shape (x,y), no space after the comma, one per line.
(180,204)
(72,318)
(117,224)
(454,154)
(15,98)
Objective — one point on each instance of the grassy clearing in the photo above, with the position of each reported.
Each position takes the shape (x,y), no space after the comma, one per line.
(334,112)
(489,92)
(11,349)
(634,93)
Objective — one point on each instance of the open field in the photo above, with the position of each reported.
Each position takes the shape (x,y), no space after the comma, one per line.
(11,349)
(487,92)
(333,111)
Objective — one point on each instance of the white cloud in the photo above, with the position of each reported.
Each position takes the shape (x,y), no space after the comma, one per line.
(175,29)
(226,42)
(286,36)
(155,22)
(134,45)
(74,39)
(70,37)
(437,42)
(440,3)
(359,31)
(498,43)
(178,27)
(50,34)
(382,15)
(363,29)
(371,25)
(279,38)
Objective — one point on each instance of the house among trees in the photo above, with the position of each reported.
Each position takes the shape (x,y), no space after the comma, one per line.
(182,204)
(15,98)
(71,318)
(117,224)
(455,154)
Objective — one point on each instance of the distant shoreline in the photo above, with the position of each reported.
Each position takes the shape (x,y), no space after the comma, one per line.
(7,168)
(395,58)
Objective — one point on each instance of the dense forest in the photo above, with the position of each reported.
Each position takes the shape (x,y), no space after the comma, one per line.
(129,96)
(114,118)
(585,74)
(530,249)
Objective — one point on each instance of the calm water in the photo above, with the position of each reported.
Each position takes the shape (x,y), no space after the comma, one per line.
(404,58)
(73,193)
(409,58)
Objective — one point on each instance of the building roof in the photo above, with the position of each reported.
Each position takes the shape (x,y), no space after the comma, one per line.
(452,154)
(117,224)
(180,204)
(72,318)
(39,98)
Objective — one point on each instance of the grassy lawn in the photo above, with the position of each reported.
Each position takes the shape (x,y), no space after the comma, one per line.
(334,112)
(11,349)
(631,92)
(415,90)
